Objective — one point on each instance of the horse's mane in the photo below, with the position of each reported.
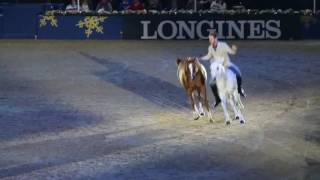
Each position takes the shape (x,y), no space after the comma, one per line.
(181,71)
(202,69)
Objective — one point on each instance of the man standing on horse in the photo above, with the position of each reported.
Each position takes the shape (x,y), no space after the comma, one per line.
(219,51)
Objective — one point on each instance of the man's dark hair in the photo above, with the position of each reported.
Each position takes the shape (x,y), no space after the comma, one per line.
(214,34)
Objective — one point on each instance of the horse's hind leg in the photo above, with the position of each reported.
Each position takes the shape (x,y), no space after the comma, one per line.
(206,103)
(237,105)
(225,109)
(239,102)
(235,108)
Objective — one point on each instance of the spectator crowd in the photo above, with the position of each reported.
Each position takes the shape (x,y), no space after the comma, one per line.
(136,5)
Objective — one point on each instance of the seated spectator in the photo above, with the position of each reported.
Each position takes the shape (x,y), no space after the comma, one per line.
(85,6)
(136,6)
(205,4)
(72,6)
(124,4)
(154,5)
(218,5)
(104,5)
(201,4)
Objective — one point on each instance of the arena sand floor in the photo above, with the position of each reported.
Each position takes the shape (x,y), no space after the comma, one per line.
(115,110)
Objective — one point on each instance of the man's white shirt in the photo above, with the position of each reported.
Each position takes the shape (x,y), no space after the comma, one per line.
(220,53)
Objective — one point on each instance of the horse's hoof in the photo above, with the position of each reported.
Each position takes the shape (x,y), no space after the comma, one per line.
(196,118)
(201,114)
(242,122)
(211,121)
(228,123)
(237,118)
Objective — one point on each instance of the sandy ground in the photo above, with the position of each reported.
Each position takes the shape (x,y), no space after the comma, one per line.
(115,110)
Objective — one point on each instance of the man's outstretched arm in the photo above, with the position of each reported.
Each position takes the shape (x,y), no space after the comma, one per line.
(206,57)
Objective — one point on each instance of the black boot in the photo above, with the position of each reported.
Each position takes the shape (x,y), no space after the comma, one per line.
(240,90)
(214,89)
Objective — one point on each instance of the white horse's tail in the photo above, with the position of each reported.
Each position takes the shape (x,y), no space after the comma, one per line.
(204,72)
(237,100)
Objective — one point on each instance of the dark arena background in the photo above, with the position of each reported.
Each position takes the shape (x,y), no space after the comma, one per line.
(89,92)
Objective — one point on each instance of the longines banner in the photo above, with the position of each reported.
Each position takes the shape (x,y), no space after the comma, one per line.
(198,27)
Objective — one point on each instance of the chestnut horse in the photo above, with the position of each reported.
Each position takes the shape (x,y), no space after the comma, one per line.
(192,76)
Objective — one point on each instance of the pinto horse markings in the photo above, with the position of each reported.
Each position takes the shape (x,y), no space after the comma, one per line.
(192,76)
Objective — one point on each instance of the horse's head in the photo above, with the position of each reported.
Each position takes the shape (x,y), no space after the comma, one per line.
(190,68)
(190,65)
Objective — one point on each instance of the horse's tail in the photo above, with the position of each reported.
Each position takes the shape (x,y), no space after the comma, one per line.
(181,73)
(203,71)
(237,100)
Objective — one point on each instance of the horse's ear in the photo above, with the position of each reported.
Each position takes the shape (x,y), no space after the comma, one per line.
(197,60)
(178,61)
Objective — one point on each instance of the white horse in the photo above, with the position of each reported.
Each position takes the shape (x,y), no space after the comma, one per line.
(228,90)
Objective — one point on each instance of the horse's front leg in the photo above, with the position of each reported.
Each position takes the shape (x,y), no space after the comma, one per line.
(195,111)
(235,108)
(200,98)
